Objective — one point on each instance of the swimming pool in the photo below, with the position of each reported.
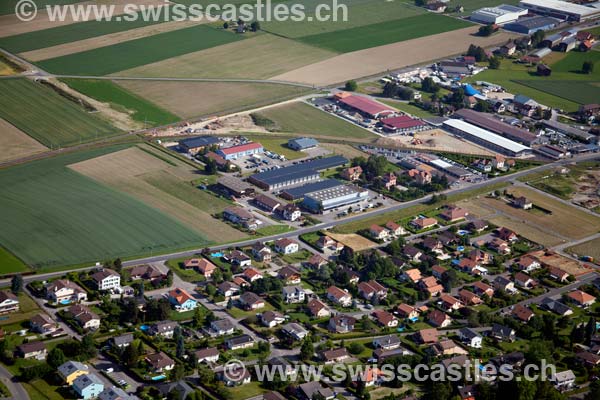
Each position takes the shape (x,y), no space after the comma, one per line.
(460,248)
(216,255)
(158,377)
(65,302)
(144,328)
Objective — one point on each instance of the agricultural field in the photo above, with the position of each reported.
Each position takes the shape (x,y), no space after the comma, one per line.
(133,53)
(345,150)
(141,110)
(197,99)
(10,263)
(305,119)
(575,91)
(7,67)
(363,37)
(258,57)
(472,5)
(277,145)
(163,183)
(8,6)
(48,117)
(16,144)
(53,216)
(590,248)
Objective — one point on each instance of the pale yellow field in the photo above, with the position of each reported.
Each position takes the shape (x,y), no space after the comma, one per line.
(11,25)
(435,139)
(259,57)
(344,149)
(105,40)
(16,144)
(353,240)
(389,57)
(132,170)
(198,99)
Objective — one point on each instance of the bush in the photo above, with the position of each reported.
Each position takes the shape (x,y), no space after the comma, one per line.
(351,86)
(356,348)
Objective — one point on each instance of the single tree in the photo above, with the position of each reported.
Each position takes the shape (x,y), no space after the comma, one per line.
(587,67)
(16,284)
(351,86)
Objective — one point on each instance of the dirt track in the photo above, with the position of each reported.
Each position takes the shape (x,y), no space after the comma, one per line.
(389,57)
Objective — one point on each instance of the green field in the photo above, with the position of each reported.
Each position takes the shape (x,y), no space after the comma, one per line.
(408,108)
(305,119)
(382,33)
(360,13)
(68,33)
(9,263)
(47,116)
(52,216)
(575,91)
(133,53)
(472,5)
(574,61)
(123,100)
(8,6)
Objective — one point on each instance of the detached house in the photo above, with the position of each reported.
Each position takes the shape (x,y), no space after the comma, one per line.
(165,329)
(527,264)
(379,233)
(64,291)
(469,298)
(160,362)
(482,288)
(71,370)
(522,313)
(413,275)
(316,261)
(335,356)
(342,323)
(237,257)
(85,317)
(325,242)
(261,253)
(388,342)
(251,301)
(202,265)
(372,289)
(222,327)
(500,246)
(107,279)
(470,338)
(290,212)
(318,309)
(408,312)
(293,294)
(507,234)
(524,280)
(431,285)
(439,319)
(395,229)
(412,253)
(35,350)
(582,299)
(239,342)
(352,173)
(453,213)
(240,216)
(504,284)
(88,386)
(271,319)
(182,300)
(450,303)
(228,289)
(427,336)
(558,274)
(339,296)
(385,318)
(251,275)
(208,355)
(289,275)
(43,324)
(286,246)
(423,223)
(502,333)
(8,302)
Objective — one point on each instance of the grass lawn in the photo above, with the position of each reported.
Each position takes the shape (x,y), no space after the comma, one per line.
(305,119)
(238,313)
(48,117)
(278,146)
(53,216)
(27,309)
(41,39)
(188,275)
(10,263)
(121,99)
(274,230)
(133,53)
(248,390)
(408,108)
(383,33)
(299,256)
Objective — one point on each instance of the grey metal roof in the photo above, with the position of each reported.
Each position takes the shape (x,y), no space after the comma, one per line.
(199,141)
(296,171)
(300,191)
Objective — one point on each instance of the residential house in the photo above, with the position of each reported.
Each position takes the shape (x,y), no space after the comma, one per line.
(182,300)
(427,336)
(558,274)
(339,296)
(522,313)
(498,162)
(439,319)
(310,390)
(8,302)
(395,229)
(522,202)
(240,216)
(588,359)
(291,212)
(228,289)
(413,275)
(431,285)
(412,253)
(202,265)
(582,299)
(513,360)
(372,289)
(271,319)
(71,370)
(325,242)
(335,356)
(372,376)
(261,252)
(389,180)
(480,257)
(385,318)
(181,388)
(423,223)
(480,288)
(508,49)
(432,244)
(352,173)
(524,280)
(295,331)
(504,284)
(234,377)
(237,257)
(146,272)
(222,327)
(318,309)
(122,341)
(207,355)
(160,362)
(556,307)
(266,203)
(41,323)
(251,301)
(85,317)
(507,235)
(469,298)
(165,329)
(438,271)
(450,303)
(286,246)
(447,347)
(240,281)
(528,264)
(115,393)
(502,333)
(388,342)
(470,338)
(251,275)
(239,342)
(316,261)
(88,386)
(477,226)
(64,291)
(453,213)
(29,350)
(289,275)
(408,312)
(378,232)
(563,380)
(107,279)
(342,323)
(293,294)
(499,246)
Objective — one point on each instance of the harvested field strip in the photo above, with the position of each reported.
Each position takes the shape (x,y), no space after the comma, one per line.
(257,57)
(47,116)
(103,41)
(52,216)
(575,91)
(68,33)
(360,13)
(305,119)
(590,248)
(108,92)
(205,99)
(151,180)
(15,143)
(133,53)
(363,37)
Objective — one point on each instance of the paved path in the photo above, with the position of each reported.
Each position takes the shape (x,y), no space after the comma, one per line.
(16,389)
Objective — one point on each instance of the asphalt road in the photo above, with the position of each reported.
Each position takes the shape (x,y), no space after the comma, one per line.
(16,389)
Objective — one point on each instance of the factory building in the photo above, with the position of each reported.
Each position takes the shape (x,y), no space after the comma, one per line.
(362,104)
(196,144)
(485,138)
(241,150)
(298,192)
(501,14)
(295,174)
(489,122)
(530,25)
(302,143)
(337,196)
(561,9)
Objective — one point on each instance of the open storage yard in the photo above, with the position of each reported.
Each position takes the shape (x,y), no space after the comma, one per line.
(47,116)
(53,216)
(436,140)
(164,183)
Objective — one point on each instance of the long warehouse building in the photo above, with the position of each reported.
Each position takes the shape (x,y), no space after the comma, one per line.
(561,9)
(489,122)
(486,138)
(295,174)
(337,196)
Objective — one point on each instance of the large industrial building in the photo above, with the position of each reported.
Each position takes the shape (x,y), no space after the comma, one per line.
(561,9)
(489,122)
(362,104)
(196,144)
(241,150)
(501,14)
(298,192)
(337,196)
(295,174)
(530,25)
(485,138)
